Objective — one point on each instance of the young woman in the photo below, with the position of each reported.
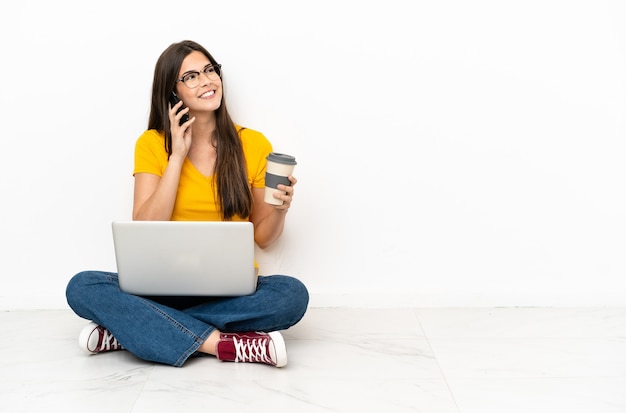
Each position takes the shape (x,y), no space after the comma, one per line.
(193,163)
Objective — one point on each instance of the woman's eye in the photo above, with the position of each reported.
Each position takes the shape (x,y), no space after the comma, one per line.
(189,77)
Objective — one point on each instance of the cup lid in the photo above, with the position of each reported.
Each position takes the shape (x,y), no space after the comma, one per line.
(281,158)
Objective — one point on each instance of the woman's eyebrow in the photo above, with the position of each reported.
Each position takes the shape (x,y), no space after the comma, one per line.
(196,71)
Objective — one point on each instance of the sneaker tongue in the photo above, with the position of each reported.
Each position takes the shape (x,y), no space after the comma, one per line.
(250,349)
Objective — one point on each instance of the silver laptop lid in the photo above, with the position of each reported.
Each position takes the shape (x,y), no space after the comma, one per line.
(205,258)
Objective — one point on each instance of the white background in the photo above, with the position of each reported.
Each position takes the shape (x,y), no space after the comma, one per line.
(449,152)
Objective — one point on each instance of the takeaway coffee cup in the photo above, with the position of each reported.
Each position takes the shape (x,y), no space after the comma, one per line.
(279,167)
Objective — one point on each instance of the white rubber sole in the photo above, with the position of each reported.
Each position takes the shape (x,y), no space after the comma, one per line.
(280,348)
(85,336)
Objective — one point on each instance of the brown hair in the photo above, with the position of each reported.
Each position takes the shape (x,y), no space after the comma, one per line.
(233,192)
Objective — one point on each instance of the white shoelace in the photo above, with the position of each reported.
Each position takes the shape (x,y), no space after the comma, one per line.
(252,350)
(108,341)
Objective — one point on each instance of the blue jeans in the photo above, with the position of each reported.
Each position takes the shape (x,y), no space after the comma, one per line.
(169,330)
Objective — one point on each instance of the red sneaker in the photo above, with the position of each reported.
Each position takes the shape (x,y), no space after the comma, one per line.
(96,339)
(268,348)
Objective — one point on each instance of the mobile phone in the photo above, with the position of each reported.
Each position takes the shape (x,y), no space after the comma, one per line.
(173,101)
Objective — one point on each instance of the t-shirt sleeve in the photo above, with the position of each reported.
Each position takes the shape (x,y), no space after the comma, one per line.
(150,156)
(256,148)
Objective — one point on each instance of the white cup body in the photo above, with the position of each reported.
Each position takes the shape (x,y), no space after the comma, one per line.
(281,170)
(269,196)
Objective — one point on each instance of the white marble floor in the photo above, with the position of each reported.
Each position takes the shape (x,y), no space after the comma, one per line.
(500,360)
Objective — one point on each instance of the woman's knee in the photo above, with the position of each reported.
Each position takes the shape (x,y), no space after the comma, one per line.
(303,299)
(299,290)
(295,295)
(80,285)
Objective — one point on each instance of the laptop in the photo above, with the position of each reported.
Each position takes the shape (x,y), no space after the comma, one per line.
(185,258)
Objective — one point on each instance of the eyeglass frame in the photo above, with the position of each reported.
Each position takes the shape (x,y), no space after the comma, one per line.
(217,69)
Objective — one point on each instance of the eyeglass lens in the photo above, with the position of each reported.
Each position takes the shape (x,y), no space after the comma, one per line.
(192,79)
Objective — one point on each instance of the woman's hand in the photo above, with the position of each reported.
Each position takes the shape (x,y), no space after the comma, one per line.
(181,134)
(288,196)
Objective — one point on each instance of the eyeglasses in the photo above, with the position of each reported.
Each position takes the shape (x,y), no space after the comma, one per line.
(191,79)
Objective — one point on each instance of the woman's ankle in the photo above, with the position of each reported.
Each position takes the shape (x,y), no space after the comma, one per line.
(210,344)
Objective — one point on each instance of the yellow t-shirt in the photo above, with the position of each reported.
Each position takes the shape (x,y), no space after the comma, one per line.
(195,200)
